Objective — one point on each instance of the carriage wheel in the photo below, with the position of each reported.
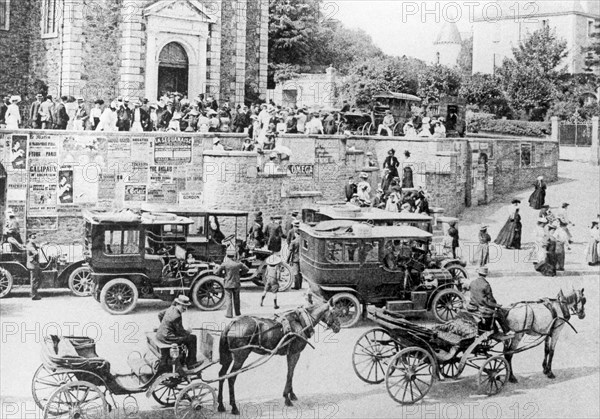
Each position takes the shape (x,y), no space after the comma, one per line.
(80,282)
(208,294)
(410,375)
(77,399)
(198,400)
(446,304)
(119,296)
(45,382)
(372,353)
(165,392)
(451,369)
(286,279)
(493,375)
(6,282)
(349,307)
(458,272)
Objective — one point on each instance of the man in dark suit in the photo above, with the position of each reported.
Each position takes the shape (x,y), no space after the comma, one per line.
(124,116)
(3,108)
(171,329)
(231,271)
(35,120)
(350,189)
(62,118)
(33,264)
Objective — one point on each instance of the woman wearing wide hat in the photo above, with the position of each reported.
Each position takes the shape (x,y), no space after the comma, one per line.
(482,254)
(391,163)
(592,257)
(510,235)
(538,197)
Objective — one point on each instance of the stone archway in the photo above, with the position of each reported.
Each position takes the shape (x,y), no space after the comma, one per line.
(173,69)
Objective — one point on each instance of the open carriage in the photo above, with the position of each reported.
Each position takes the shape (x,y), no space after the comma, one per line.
(410,358)
(75,382)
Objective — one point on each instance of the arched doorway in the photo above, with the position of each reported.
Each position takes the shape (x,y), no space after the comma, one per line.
(173,69)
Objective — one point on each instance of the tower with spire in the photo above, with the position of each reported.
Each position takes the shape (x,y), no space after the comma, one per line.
(447,45)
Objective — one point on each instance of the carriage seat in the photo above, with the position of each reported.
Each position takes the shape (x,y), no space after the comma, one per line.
(158,348)
(72,352)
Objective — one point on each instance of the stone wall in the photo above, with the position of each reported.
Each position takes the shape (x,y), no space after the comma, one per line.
(14,48)
(116,170)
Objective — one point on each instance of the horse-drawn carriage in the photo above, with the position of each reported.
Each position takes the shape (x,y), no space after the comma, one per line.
(127,263)
(359,265)
(399,106)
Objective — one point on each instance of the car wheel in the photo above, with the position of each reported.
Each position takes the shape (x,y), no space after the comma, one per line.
(446,304)
(6,282)
(458,272)
(286,280)
(208,294)
(350,308)
(80,281)
(119,296)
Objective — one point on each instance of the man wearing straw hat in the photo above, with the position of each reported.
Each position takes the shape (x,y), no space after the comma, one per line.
(271,278)
(387,124)
(171,329)
(482,300)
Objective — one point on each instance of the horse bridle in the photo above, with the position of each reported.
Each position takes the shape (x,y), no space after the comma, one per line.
(571,309)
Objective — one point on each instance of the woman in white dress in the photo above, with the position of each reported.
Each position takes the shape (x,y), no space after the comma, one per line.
(13,115)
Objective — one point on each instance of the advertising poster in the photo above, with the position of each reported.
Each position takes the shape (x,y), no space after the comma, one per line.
(16,189)
(172,151)
(43,147)
(18,153)
(160,175)
(65,185)
(43,186)
(107,185)
(139,172)
(141,149)
(162,194)
(18,208)
(193,177)
(135,193)
(190,199)
(119,147)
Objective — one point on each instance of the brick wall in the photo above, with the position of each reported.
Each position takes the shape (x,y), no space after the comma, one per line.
(14,50)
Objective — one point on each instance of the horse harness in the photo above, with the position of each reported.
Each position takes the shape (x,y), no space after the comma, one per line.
(564,314)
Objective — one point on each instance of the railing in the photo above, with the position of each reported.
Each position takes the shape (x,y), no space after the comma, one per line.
(575,135)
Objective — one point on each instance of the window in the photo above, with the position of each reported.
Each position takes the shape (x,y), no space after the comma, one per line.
(4,15)
(526,155)
(339,252)
(305,244)
(121,242)
(173,229)
(197,229)
(372,251)
(49,17)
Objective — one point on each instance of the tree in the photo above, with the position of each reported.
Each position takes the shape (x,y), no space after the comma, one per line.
(437,81)
(377,75)
(530,79)
(592,60)
(465,58)
(485,91)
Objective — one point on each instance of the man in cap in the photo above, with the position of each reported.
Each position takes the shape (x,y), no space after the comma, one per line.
(293,258)
(271,278)
(274,234)
(140,118)
(453,234)
(482,300)
(33,264)
(34,112)
(171,329)
(387,124)
(288,228)
(231,271)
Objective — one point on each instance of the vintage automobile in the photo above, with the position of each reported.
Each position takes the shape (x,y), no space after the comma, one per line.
(379,217)
(209,245)
(359,265)
(127,262)
(399,104)
(57,271)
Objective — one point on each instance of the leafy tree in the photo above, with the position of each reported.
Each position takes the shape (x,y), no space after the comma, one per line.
(437,81)
(377,75)
(485,92)
(530,78)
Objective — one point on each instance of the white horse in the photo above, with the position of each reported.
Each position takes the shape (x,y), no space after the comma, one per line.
(541,318)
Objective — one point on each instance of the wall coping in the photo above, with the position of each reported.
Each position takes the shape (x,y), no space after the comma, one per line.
(229,153)
(303,194)
(496,137)
(272,175)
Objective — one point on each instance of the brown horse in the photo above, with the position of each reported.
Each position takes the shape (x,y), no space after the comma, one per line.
(287,336)
(543,318)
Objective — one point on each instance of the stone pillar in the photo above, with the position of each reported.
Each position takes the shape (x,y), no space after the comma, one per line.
(554,135)
(213,82)
(264,48)
(240,53)
(329,89)
(72,48)
(131,81)
(595,150)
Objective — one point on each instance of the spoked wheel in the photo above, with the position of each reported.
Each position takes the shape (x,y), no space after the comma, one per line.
(410,375)
(6,282)
(166,391)
(451,368)
(46,382)
(286,278)
(208,294)
(196,401)
(77,400)
(458,272)
(349,307)
(119,296)
(372,354)
(493,375)
(446,304)
(80,282)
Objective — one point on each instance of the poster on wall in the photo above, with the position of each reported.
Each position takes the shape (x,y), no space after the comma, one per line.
(16,189)
(119,147)
(43,186)
(65,185)
(135,193)
(160,175)
(139,172)
(141,149)
(17,153)
(162,194)
(43,147)
(190,199)
(172,151)
(18,208)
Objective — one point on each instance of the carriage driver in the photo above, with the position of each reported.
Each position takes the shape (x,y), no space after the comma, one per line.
(171,329)
(482,300)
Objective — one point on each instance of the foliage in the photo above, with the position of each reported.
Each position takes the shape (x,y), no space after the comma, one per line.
(285,72)
(592,60)
(437,81)
(379,75)
(530,78)
(573,89)
(465,57)
(485,91)
(509,127)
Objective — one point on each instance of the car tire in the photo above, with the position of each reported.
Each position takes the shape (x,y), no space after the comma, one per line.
(119,296)
(6,282)
(348,303)
(446,303)
(80,282)
(208,293)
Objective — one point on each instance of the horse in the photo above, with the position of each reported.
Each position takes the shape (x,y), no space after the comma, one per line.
(288,335)
(545,317)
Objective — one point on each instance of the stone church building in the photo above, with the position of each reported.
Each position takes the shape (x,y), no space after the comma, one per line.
(134,48)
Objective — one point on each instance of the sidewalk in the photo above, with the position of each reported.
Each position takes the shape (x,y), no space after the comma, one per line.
(578,184)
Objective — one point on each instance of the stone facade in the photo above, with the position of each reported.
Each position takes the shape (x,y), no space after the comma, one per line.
(109,48)
(116,170)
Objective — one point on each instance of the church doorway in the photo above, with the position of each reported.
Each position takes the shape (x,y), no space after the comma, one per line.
(173,70)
